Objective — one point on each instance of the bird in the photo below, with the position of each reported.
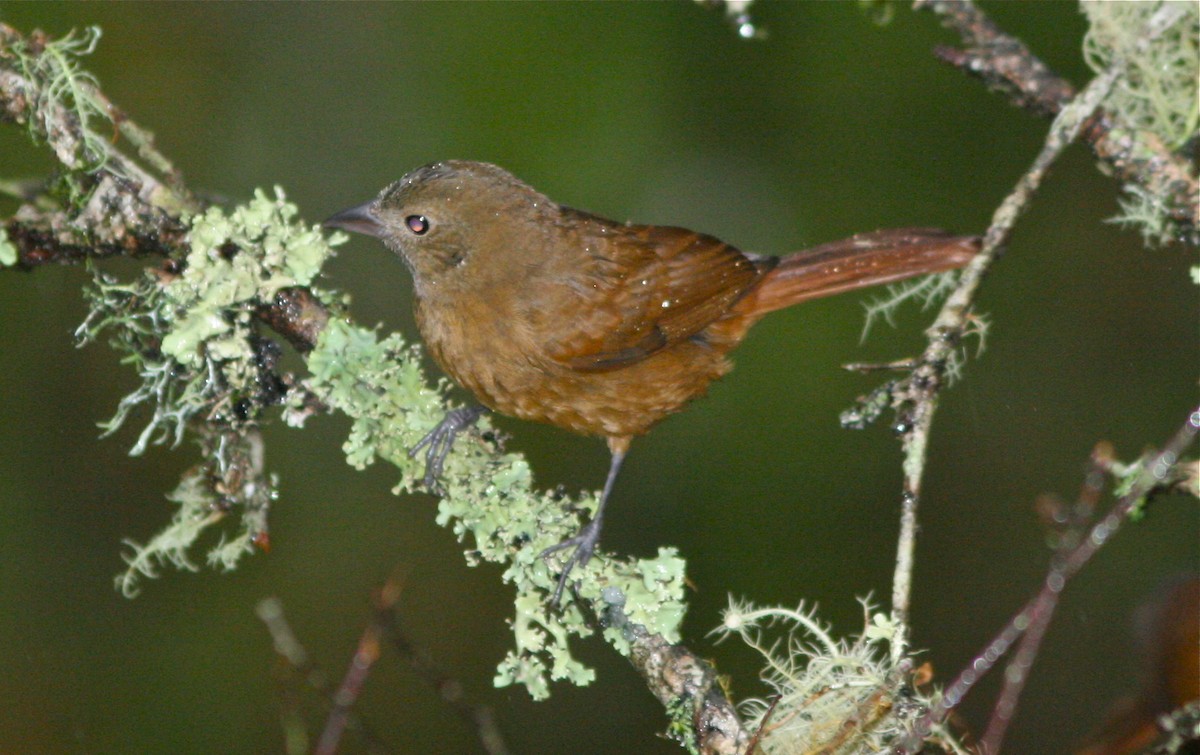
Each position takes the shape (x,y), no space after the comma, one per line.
(556,315)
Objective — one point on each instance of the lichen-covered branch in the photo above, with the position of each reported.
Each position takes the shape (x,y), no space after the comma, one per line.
(1008,66)
(199,328)
(490,498)
(192,327)
(1140,131)
(916,395)
(102,193)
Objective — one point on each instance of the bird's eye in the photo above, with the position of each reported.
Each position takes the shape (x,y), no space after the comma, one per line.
(418,224)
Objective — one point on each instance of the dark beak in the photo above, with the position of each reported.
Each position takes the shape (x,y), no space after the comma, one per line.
(358,219)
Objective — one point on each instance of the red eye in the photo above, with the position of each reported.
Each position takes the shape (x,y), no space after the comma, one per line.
(418,224)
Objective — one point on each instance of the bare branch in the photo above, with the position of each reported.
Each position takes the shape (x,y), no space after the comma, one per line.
(451,691)
(1157,472)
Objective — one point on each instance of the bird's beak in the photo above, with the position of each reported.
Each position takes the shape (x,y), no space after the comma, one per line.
(358,219)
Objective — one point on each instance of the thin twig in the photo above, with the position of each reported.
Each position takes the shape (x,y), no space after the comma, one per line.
(762,725)
(1156,472)
(480,717)
(918,393)
(289,647)
(348,692)
(1017,670)
(1132,156)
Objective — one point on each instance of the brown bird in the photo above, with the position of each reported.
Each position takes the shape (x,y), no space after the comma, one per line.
(603,328)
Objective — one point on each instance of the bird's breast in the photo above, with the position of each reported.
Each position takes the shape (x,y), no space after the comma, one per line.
(495,355)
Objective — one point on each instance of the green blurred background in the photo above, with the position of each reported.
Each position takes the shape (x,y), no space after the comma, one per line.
(655,112)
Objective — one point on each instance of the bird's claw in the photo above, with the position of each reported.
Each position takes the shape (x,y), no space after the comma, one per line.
(585,545)
(440,440)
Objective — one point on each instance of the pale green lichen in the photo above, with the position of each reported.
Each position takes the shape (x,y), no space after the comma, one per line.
(231,479)
(489,497)
(928,289)
(828,695)
(219,290)
(1157,91)
(55,81)
(195,512)
(1148,213)
(191,337)
(8,250)
(1155,99)
(681,724)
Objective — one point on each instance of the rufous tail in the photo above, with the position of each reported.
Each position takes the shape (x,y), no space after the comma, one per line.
(867,259)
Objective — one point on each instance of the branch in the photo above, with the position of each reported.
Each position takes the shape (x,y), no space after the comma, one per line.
(1135,156)
(915,396)
(1008,66)
(41,89)
(387,624)
(1156,473)
(702,717)
(190,328)
(291,650)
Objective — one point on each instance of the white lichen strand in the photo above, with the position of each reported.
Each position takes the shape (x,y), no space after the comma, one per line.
(928,290)
(1155,46)
(828,695)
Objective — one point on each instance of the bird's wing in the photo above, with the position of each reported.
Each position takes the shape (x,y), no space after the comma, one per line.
(647,287)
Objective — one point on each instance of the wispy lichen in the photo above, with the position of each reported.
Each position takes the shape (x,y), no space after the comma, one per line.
(927,290)
(1157,46)
(1148,213)
(191,336)
(1157,92)
(489,497)
(230,480)
(195,512)
(56,82)
(829,695)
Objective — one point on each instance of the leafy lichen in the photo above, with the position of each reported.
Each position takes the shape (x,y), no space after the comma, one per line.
(490,498)
(8,251)
(191,336)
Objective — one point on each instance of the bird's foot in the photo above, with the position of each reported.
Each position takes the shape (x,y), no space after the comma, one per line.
(584,544)
(440,440)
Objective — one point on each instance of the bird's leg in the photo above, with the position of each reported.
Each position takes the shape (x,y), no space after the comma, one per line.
(589,535)
(441,439)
